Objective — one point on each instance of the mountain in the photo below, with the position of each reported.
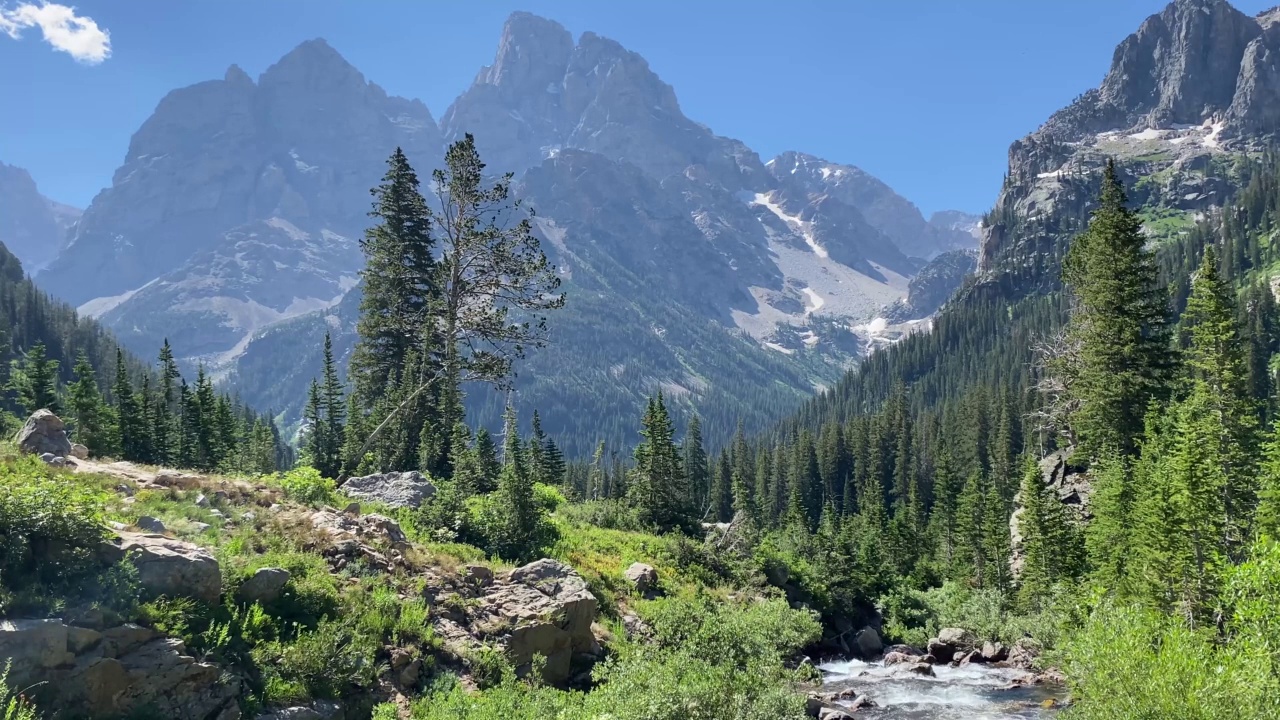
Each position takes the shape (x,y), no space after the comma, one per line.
(690,266)
(32,226)
(1186,114)
(239,204)
(1186,94)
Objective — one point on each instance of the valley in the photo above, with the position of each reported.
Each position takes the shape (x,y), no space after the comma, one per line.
(560,404)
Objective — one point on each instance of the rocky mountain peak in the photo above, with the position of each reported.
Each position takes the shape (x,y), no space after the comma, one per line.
(1181,66)
(532,54)
(236,75)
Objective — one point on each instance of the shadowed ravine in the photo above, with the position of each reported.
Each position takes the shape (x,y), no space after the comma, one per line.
(974,692)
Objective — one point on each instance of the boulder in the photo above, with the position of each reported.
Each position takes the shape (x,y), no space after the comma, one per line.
(921,669)
(146,523)
(898,658)
(868,641)
(318,710)
(994,652)
(972,657)
(478,575)
(1023,654)
(79,452)
(124,639)
(833,713)
(171,567)
(44,433)
(642,576)
(958,638)
(396,489)
(550,611)
(264,585)
(32,645)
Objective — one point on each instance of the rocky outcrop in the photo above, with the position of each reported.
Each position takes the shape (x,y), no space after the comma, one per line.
(934,285)
(114,672)
(1068,482)
(42,433)
(394,489)
(540,609)
(168,567)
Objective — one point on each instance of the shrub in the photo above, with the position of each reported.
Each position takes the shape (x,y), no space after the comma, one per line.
(305,485)
(50,529)
(548,497)
(12,705)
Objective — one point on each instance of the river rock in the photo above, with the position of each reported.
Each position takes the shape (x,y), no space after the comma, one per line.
(994,652)
(395,489)
(44,433)
(831,713)
(642,576)
(868,642)
(79,452)
(264,585)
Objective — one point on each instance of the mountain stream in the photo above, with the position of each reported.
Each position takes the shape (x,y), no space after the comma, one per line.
(973,692)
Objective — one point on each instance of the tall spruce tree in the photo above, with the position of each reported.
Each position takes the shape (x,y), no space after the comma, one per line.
(34,380)
(128,413)
(695,464)
(93,422)
(657,488)
(1120,323)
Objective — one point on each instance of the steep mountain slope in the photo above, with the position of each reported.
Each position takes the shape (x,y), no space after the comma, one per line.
(32,226)
(690,265)
(1181,110)
(239,203)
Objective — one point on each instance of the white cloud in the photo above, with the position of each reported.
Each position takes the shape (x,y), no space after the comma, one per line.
(79,37)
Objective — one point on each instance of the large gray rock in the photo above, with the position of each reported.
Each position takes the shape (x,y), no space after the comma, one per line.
(264,585)
(868,642)
(395,489)
(550,611)
(643,577)
(169,567)
(42,433)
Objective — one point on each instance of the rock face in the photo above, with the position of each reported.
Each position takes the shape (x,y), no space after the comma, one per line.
(1196,81)
(1069,483)
(266,184)
(170,567)
(114,672)
(396,489)
(935,284)
(32,226)
(44,433)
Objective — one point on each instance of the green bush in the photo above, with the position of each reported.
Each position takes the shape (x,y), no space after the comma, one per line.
(50,529)
(336,658)
(305,485)
(548,497)
(1131,663)
(608,514)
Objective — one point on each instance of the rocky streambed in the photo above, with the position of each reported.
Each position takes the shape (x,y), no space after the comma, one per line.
(972,692)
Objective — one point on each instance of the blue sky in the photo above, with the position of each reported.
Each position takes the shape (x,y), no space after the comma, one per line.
(925,94)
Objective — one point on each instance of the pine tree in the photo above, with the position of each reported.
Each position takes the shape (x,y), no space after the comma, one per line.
(94,427)
(1109,535)
(1051,549)
(720,499)
(658,485)
(534,452)
(333,411)
(317,442)
(518,519)
(34,381)
(1267,520)
(487,459)
(128,413)
(553,463)
(1216,358)
(695,463)
(165,431)
(1120,324)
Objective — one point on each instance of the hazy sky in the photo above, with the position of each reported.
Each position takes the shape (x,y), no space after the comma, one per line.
(927,95)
